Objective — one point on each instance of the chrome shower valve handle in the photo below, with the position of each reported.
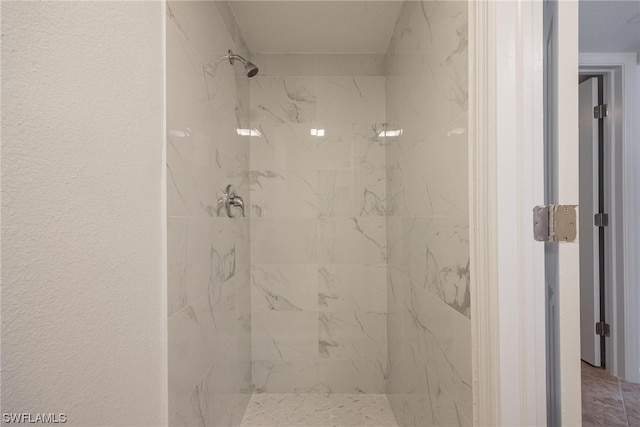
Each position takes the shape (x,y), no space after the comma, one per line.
(230,199)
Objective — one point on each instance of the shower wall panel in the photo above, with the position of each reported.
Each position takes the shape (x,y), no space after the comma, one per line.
(318,224)
(208,255)
(429,348)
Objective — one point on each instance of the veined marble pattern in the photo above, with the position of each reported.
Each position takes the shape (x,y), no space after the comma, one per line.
(357,240)
(428,299)
(438,258)
(350,99)
(353,375)
(283,99)
(352,287)
(285,335)
(352,335)
(318,209)
(318,410)
(287,287)
(208,255)
(286,376)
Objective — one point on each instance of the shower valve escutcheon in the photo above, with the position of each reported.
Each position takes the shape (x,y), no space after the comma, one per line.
(230,200)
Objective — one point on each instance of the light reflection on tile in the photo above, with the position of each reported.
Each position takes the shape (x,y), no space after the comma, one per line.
(209,325)
(426,185)
(318,224)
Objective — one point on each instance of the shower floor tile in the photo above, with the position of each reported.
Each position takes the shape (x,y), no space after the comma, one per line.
(318,410)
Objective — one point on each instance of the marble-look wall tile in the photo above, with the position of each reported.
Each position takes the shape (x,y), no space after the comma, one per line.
(285,335)
(351,64)
(286,287)
(352,240)
(350,99)
(351,172)
(397,284)
(427,232)
(226,14)
(397,244)
(440,336)
(283,241)
(438,256)
(284,193)
(212,401)
(298,64)
(301,64)
(201,25)
(352,335)
(424,167)
(352,287)
(286,376)
(353,376)
(211,258)
(283,147)
(394,176)
(318,223)
(283,99)
(177,264)
(208,254)
(197,336)
(358,192)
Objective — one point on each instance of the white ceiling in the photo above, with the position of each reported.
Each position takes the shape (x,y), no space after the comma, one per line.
(609,26)
(316,26)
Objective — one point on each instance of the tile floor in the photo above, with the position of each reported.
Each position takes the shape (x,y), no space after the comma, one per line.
(318,410)
(608,401)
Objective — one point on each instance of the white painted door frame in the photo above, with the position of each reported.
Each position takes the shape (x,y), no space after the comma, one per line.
(506,182)
(622,156)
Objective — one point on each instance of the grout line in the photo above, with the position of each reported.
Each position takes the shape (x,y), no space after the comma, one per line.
(624,404)
(600,382)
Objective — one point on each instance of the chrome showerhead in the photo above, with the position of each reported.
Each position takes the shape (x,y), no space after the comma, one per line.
(249,66)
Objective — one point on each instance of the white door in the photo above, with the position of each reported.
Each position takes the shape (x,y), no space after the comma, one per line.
(589,233)
(511,332)
(561,187)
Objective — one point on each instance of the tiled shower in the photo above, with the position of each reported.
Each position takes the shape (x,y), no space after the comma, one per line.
(346,286)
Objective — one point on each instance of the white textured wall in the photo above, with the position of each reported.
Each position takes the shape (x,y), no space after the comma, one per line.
(83,283)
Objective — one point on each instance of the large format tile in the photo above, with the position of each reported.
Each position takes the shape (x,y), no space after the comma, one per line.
(318,211)
(280,99)
(197,337)
(283,241)
(631,399)
(352,240)
(603,401)
(274,64)
(352,287)
(286,287)
(352,99)
(284,193)
(426,200)
(438,254)
(434,175)
(353,375)
(283,147)
(286,376)
(352,335)
(286,335)
(176,264)
(350,65)
(208,255)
